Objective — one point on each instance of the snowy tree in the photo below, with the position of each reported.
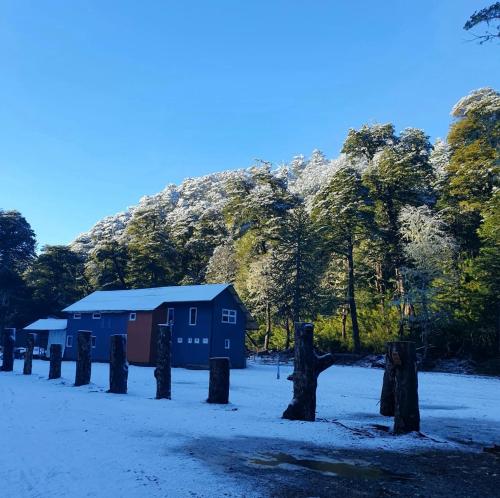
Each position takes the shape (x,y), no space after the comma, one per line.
(222,265)
(429,248)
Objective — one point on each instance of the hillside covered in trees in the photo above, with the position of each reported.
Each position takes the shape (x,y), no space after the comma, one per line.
(397,237)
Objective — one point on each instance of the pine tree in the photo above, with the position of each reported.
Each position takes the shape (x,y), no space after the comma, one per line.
(342,211)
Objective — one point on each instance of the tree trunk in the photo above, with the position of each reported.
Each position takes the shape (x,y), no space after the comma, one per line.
(344,322)
(267,337)
(308,366)
(9,338)
(55,361)
(288,334)
(218,390)
(352,300)
(28,357)
(84,358)
(387,395)
(402,360)
(118,365)
(163,372)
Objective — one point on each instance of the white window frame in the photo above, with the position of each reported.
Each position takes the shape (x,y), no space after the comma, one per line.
(69,341)
(168,315)
(229,316)
(227,343)
(205,340)
(93,341)
(132,317)
(179,340)
(96,315)
(195,316)
(77,316)
(190,340)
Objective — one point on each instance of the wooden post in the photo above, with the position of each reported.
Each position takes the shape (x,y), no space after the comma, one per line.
(28,357)
(401,384)
(308,366)
(118,365)
(218,388)
(84,358)
(55,361)
(163,372)
(387,395)
(9,338)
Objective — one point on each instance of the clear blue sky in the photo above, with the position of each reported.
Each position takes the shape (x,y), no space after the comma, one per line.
(102,102)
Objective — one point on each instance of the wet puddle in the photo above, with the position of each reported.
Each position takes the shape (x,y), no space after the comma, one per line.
(339,468)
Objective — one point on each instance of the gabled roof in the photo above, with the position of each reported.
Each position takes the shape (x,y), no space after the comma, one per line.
(48,324)
(146,299)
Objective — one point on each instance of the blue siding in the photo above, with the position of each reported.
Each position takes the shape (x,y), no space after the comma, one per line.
(192,345)
(194,350)
(102,329)
(234,332)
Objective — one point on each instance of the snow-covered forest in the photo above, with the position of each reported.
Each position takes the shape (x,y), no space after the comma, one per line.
(395,237)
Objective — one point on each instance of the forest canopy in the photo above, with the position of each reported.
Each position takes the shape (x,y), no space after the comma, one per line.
(397,237)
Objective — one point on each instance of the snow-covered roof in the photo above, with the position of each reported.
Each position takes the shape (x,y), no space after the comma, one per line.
(48,324)
(146,299)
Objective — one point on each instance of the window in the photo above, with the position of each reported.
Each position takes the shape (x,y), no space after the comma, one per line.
(227,344)
(179,340)
(190,340)
(69,341)
(170,315)
(77,316)
(205,340)
(193,315)
(196,340)
(228,316)
(93,340)
(96,316)
(132,317)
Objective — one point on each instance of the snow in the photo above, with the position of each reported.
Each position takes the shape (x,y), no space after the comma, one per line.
(48,324)
(146,299)
(58,440)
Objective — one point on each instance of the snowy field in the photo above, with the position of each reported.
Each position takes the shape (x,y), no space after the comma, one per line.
(60,441)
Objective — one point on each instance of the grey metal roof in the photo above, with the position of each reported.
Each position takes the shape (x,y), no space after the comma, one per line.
(146,299)
(48,324)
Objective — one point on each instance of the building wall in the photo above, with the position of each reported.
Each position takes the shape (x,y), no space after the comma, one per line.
(139,338)
(191,343)
(235,333)
(102,329)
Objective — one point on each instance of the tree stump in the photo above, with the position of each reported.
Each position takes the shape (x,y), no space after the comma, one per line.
(28,357)
(401,384)
(163,372)
(218,388)
(308,366)
(84,358)
(118,365)
(387,395)
(9,338)
(55,361)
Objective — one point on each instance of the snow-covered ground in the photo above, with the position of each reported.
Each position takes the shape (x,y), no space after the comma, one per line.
(57,440)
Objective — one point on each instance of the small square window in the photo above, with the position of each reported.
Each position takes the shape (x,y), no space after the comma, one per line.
(96,316)
(170,315)
(193,315)
(205,340)
(227,344)
(132,317)
(77,316)
(69,341)
(190,340)
(179,340)
(196,340)
(94,340)
(228,316)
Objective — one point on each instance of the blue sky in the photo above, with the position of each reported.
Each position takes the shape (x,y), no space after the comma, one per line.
(102,102)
